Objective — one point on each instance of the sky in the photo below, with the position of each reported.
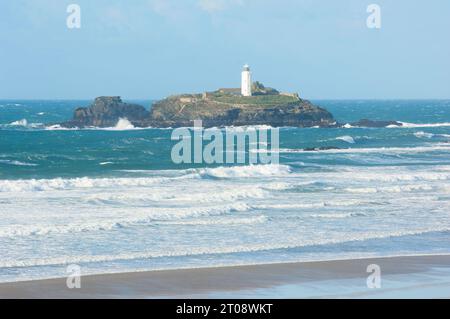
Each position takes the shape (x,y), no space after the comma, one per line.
(149,49)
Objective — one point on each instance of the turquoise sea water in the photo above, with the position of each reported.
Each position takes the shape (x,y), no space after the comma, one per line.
(112,200)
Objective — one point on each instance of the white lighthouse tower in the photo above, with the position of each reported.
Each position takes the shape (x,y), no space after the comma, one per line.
(246,83)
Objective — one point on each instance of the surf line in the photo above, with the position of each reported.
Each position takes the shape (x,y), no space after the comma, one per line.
(229,146)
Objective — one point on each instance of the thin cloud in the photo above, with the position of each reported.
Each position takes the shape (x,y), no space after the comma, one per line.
(213,6)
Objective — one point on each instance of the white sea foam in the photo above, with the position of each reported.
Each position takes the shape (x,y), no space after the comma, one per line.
(395,176)
(337,215)
(22,122)
(320,204)
(346,138)
(17,163)
(123,124)
(422,134)
(86,182)
(160,178)
(390,189)
(174,252)
(28,185)
(246,171)
(139,217)
(220,221)
(415,125)
(57,127)
(386,174)
(381,150)
(248,128)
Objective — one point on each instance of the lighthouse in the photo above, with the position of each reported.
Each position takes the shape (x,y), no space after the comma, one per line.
(246,83)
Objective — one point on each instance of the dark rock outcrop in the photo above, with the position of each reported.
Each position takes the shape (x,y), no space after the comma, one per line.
(321,148)
(370,123)
(106,111)
(259,89)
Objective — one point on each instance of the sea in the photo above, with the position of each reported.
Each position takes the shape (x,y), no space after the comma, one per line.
(111,200)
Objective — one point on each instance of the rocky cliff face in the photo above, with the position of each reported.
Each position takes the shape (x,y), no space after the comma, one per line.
(106,111)
(214,109)
(176,112)
(182,110)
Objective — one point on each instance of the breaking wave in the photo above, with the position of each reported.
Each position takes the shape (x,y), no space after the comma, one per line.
(17,163)
(422,134)
(87,182)
(123,124)
(381,150)
(63,184)
(22,122)
(346,138)
(138,218)
(414,125)
(174,252)
(246,171)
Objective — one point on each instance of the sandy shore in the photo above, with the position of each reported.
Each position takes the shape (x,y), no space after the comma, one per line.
(339,278)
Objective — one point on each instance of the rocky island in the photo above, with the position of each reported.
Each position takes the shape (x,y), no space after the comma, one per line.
(215,110)
(224,107)
(251,104)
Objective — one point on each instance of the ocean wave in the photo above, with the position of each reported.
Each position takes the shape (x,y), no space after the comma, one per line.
(381,150)
(404,176)
(123,124)
(386,174)
(220,221)
(22,126)
(346,138)
(321,204)
(87,182)
(208,195)
(246,171)
(337,215)
(138,218)
(106,163)
(220,195)
(57,127)
(12,104)
(257,189)
(415,125)
(16,163)
(197,251)
(248,128)
(422,134)
(27,185)
(390,189)
(22,122)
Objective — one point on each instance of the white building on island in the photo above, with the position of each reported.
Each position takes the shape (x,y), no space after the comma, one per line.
(246,83)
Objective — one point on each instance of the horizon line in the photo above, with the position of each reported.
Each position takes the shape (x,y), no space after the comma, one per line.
(157,99)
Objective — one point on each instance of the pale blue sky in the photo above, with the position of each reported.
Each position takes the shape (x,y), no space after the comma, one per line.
(153,48)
